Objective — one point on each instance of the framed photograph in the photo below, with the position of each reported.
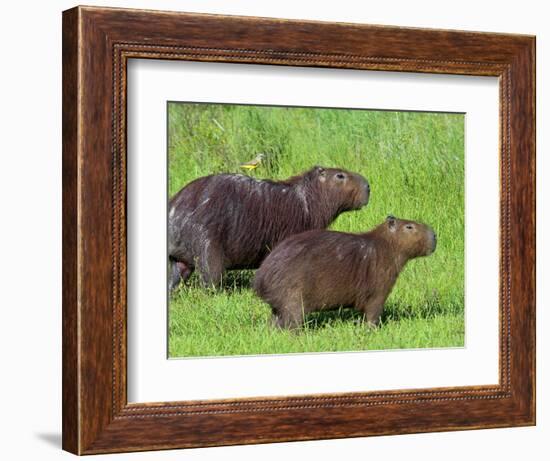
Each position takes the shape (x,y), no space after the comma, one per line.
(284,230)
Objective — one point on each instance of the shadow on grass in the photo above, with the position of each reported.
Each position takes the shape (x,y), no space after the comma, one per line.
(392,312)
(232,282)
(430,308)
(237,280)
(317,320)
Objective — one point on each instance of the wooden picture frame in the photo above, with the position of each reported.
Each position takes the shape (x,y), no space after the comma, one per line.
(97,43)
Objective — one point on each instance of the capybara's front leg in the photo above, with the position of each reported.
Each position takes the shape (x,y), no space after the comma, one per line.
(372,310)
(289,317)
(211,264)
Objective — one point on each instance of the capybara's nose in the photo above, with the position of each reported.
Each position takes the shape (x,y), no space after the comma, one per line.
(434,241)
(366,185)
(366,193)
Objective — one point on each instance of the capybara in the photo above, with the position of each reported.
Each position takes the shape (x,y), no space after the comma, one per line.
(231,221)
(323,269)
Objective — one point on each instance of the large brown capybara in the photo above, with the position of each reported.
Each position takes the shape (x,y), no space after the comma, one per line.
(232,221)
(323,269)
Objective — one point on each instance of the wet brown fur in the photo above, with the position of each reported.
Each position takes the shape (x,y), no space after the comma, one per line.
(323,269)
(232,221)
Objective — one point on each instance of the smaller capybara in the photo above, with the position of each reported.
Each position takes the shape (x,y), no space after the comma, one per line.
(323,269)
(232,221)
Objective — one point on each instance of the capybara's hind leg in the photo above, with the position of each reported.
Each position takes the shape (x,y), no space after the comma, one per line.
(178,272)
(211,265)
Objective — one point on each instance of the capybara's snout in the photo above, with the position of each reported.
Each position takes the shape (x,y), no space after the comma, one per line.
(431,241)
(434,241)
(365,188)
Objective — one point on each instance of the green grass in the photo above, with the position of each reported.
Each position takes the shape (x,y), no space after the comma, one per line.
(415,165)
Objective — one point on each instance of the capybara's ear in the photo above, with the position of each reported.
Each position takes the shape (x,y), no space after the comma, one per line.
(391,220)
(320,170)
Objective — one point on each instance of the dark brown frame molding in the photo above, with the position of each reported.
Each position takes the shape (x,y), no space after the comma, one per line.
(97,43)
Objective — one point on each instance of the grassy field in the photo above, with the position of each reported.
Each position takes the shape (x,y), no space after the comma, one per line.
(415,165)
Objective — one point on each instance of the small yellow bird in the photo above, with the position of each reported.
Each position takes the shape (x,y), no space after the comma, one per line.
(254,163)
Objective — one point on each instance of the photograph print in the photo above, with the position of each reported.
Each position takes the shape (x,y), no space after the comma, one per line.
(310,230)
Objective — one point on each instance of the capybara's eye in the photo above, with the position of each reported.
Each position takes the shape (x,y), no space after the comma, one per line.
(340,175)
(409,226)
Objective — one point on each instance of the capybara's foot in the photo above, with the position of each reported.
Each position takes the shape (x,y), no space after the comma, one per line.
(371,325)
(287,321)
(211,279)
(373,313)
